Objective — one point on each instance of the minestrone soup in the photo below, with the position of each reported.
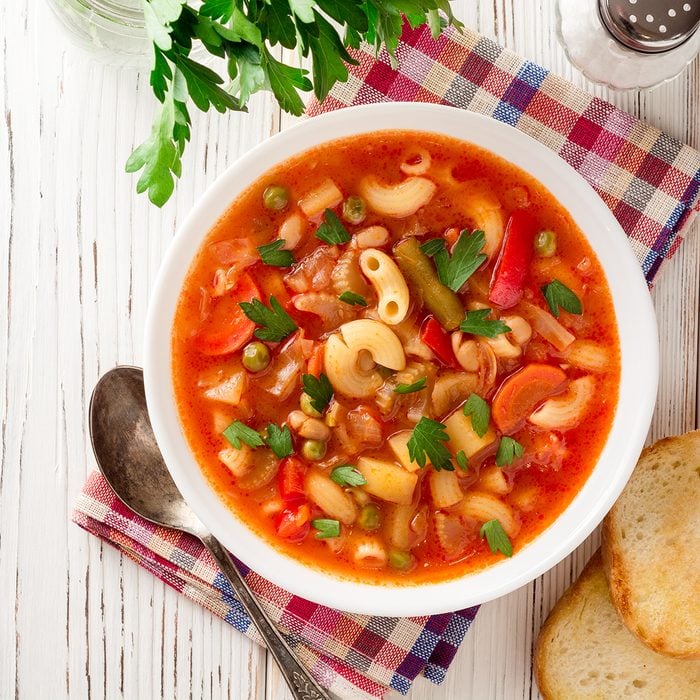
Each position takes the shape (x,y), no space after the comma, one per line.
(396,357)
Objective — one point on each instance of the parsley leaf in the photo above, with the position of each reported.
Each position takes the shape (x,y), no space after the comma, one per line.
(480,413)
(319,390)
(496,537)
(428,440)
(559,295)
(326,528)
(276,323)
(476,323)
(239,432)
(273,255)
(279,440)
(410,388)
(353,299)
(332,230)
(462,460)
(456,269)
(508,450)
(433,246)
(347,475)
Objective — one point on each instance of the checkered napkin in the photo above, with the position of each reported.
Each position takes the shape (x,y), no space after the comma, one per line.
(651,183)
(353,656)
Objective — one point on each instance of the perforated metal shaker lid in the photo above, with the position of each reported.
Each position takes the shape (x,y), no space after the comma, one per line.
(650,26)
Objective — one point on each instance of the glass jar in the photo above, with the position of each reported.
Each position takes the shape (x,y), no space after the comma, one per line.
(112,30)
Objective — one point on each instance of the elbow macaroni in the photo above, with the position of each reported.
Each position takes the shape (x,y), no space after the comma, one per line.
(389,283)
(397,201)
(566,411)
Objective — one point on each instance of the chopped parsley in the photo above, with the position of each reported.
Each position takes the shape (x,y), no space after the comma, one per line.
(353,299)
(428,440)
(273,255)
(274,321)
(476,323)
(332,231)
(508,450)
(326,528)
(496,537)
(454,270)
(410,388)
(239,432)
(480,413)
(433,246)
(462,460)
(279,440)
(318,390)
(558,296)
(347,475)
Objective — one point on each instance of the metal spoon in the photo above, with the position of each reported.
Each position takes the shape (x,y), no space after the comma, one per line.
(128,457)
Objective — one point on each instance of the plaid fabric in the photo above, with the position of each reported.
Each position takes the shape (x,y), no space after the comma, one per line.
(353,656)
(650,181)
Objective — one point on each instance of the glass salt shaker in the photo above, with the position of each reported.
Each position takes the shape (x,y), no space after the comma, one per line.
(627,44)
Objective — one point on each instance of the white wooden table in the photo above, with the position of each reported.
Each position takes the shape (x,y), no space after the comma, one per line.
(78,255)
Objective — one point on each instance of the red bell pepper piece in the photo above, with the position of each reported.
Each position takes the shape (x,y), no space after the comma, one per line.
(227,328)
(291,480)
(508,279)
(438,341)
(293,524)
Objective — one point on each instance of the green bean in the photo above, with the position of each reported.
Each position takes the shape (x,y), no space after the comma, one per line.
(442,302)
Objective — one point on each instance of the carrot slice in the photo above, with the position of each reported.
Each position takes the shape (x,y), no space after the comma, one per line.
(227,328)
(522,392)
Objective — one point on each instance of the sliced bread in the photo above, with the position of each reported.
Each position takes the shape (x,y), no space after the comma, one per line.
(585,652)
(651,548)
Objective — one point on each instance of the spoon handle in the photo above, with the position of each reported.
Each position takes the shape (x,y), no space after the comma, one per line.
(302,685)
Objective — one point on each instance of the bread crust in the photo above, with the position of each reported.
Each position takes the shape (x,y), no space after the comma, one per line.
(674,629)
(584,651)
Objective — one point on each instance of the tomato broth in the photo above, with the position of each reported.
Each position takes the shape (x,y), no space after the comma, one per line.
(424,368)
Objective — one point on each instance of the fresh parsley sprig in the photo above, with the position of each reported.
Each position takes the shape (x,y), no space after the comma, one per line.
(244,33)
(496,538)
(273,254)
(279,440)
(331,230)
(477,323)
(320,390)
(558,295)
(480,413)
(454,270)
(427,442)
(347,475)
(508,450)
(239,432)
(275,322)
(325,528)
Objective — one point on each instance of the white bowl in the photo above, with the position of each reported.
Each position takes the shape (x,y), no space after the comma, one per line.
(639,362)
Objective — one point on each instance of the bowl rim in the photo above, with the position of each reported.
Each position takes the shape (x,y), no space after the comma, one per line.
(638,346)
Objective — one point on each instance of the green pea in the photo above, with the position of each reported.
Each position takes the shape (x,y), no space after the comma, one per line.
(354,209)
(313,450)
(256,357)
(400,560)
(369,518)
(546,243)
(305,404)
(275,197)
